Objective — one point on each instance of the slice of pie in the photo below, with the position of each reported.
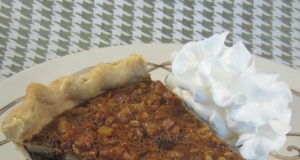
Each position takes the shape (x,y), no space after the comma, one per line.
(113,112)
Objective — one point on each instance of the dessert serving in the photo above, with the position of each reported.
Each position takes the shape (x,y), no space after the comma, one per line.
(242,105)
(115,111)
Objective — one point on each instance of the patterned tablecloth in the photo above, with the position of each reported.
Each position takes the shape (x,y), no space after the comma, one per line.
(35,31)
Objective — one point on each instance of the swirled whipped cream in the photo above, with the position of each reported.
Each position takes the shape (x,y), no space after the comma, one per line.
(244,106)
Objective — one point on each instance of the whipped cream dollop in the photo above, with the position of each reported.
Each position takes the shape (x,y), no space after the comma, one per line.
(246,107)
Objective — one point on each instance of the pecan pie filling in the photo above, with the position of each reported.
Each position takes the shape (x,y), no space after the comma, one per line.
(139,121)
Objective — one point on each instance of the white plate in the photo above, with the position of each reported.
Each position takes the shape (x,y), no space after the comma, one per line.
(15,86)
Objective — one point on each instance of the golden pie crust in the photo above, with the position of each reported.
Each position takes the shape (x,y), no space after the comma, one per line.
(42,104)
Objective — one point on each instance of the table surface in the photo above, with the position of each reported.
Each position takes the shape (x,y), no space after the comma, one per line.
(36,31)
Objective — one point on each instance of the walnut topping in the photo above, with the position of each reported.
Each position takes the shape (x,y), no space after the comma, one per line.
(141,121)
(124,114)
(63,125)
(105,131)
(168,123)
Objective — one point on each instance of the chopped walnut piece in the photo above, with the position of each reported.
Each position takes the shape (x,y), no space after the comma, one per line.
(124,115)
(105,131)
(168,123)
(151,128)
(63,125)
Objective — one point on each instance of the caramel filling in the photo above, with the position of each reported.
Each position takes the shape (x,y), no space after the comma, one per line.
(139,121)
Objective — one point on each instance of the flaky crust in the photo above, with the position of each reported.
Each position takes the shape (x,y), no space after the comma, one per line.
(43,103)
